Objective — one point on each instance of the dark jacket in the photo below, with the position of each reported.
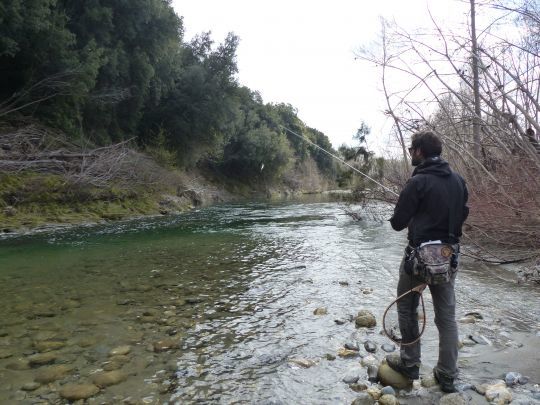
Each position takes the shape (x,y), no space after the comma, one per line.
(424,203)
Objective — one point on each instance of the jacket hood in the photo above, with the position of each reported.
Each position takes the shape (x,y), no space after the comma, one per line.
(433,165)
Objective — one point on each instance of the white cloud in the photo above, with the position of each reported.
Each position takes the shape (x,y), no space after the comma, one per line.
(302,52)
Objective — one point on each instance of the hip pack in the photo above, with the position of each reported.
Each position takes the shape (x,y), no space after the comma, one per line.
(435,262)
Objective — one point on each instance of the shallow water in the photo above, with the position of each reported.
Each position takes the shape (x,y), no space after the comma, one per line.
(235,286)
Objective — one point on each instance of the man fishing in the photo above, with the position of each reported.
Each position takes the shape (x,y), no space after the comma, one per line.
(432,205)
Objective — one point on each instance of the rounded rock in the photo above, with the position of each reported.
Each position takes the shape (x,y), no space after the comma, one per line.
(365,319)
(363,399)
(52,373)
(351,378)
(387,376)
(320,311)
(352,346)
(388,400)
(370,346)
(108,378)
(31,386)
(120,351)
(512,378)
(388,390)
(74,392)
(41,359)
(453,399)
(388,347)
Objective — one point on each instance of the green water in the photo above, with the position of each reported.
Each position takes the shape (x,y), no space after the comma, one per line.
(232,289)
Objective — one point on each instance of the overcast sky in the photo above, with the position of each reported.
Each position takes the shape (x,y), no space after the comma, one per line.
(302,52)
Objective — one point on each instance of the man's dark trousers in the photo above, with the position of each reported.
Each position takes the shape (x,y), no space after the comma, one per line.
(444,305)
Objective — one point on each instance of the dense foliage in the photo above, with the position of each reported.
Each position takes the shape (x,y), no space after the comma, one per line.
(109,70)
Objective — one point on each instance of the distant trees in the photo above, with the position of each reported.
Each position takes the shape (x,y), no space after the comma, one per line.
(107,71)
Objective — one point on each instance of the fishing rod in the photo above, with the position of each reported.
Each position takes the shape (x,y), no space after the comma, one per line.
(305,139)
(418,289)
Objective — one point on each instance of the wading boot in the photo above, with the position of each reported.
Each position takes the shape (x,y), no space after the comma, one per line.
(396,364)
(446,383)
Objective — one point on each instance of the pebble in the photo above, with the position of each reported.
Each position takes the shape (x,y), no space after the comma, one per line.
(369,360)
(344,283)
(74,392)
(498,393)
(346,353)
(512,378)
(453,399)
(388,400)
(352,346)
(351,378)
(365,319)
(373,372)
(41,359)
(18,365)
(52,373)
(5,353)
(340,321)
(120,351)
(359,387)
(467,319)
(388,390)
(374,392)
(31,386)
(320,311)
(370,346)
(428,381)
(363,398)
(330,357)
(388,347)
(48,345)
(108,378)
(476,315)
(165,344)
(305,363)
(482,340)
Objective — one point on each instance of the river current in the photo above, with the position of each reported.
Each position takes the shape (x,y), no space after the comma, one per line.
(212,306)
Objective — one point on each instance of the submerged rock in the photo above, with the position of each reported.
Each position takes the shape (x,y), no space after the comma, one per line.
(120,350)
(365,319)
(74,392)
(108,378)
(31,386)
(52,373)
(41,359)
(48,345)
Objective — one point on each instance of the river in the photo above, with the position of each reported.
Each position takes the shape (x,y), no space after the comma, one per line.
(211,306)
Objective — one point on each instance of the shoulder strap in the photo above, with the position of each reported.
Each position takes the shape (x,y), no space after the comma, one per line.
(456,197)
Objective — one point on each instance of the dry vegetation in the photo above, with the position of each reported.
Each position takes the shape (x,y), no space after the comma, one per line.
(479,93)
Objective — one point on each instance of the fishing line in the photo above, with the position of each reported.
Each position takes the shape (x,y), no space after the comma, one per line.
(305,139)
(418,289)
